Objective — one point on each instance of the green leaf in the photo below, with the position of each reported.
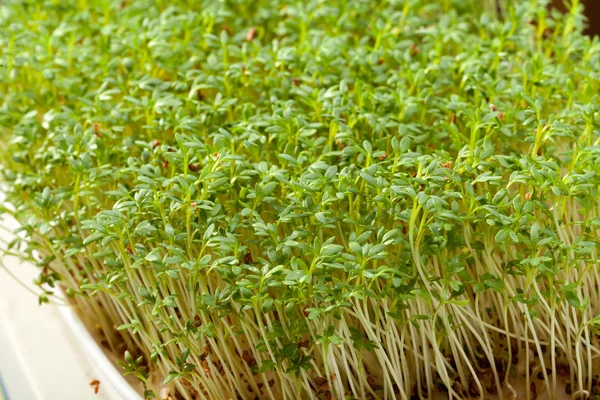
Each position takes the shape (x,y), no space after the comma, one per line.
(173,274)
(92,238)
(574,300)
(294,276)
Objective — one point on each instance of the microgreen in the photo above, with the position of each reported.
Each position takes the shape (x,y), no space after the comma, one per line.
(313,199)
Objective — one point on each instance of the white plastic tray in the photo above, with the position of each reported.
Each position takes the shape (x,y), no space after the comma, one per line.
(96,355)
(46,353)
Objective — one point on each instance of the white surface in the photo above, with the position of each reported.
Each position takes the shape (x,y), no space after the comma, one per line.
(39,357)
(95,354)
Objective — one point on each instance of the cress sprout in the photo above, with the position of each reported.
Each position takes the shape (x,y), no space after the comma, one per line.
(317,199)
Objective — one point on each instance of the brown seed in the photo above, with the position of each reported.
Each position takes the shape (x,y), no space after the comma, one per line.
(248,258)
(382,157)
(303,344)
(319,380)
(248,358)
(194,167)
(540,375)
(501,116)
(271,382)
(165,164)
(527,195)
(205,366)
(473,388)
(219,366)
(97,130)
(197,321)
(533,391)
(296,82)
(251,33)
(414,50)
(156,143)
(447,164)
(96,385)
(458,388)
(371,381)
(493,108)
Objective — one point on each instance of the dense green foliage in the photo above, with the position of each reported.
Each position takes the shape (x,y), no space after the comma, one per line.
(319,199)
